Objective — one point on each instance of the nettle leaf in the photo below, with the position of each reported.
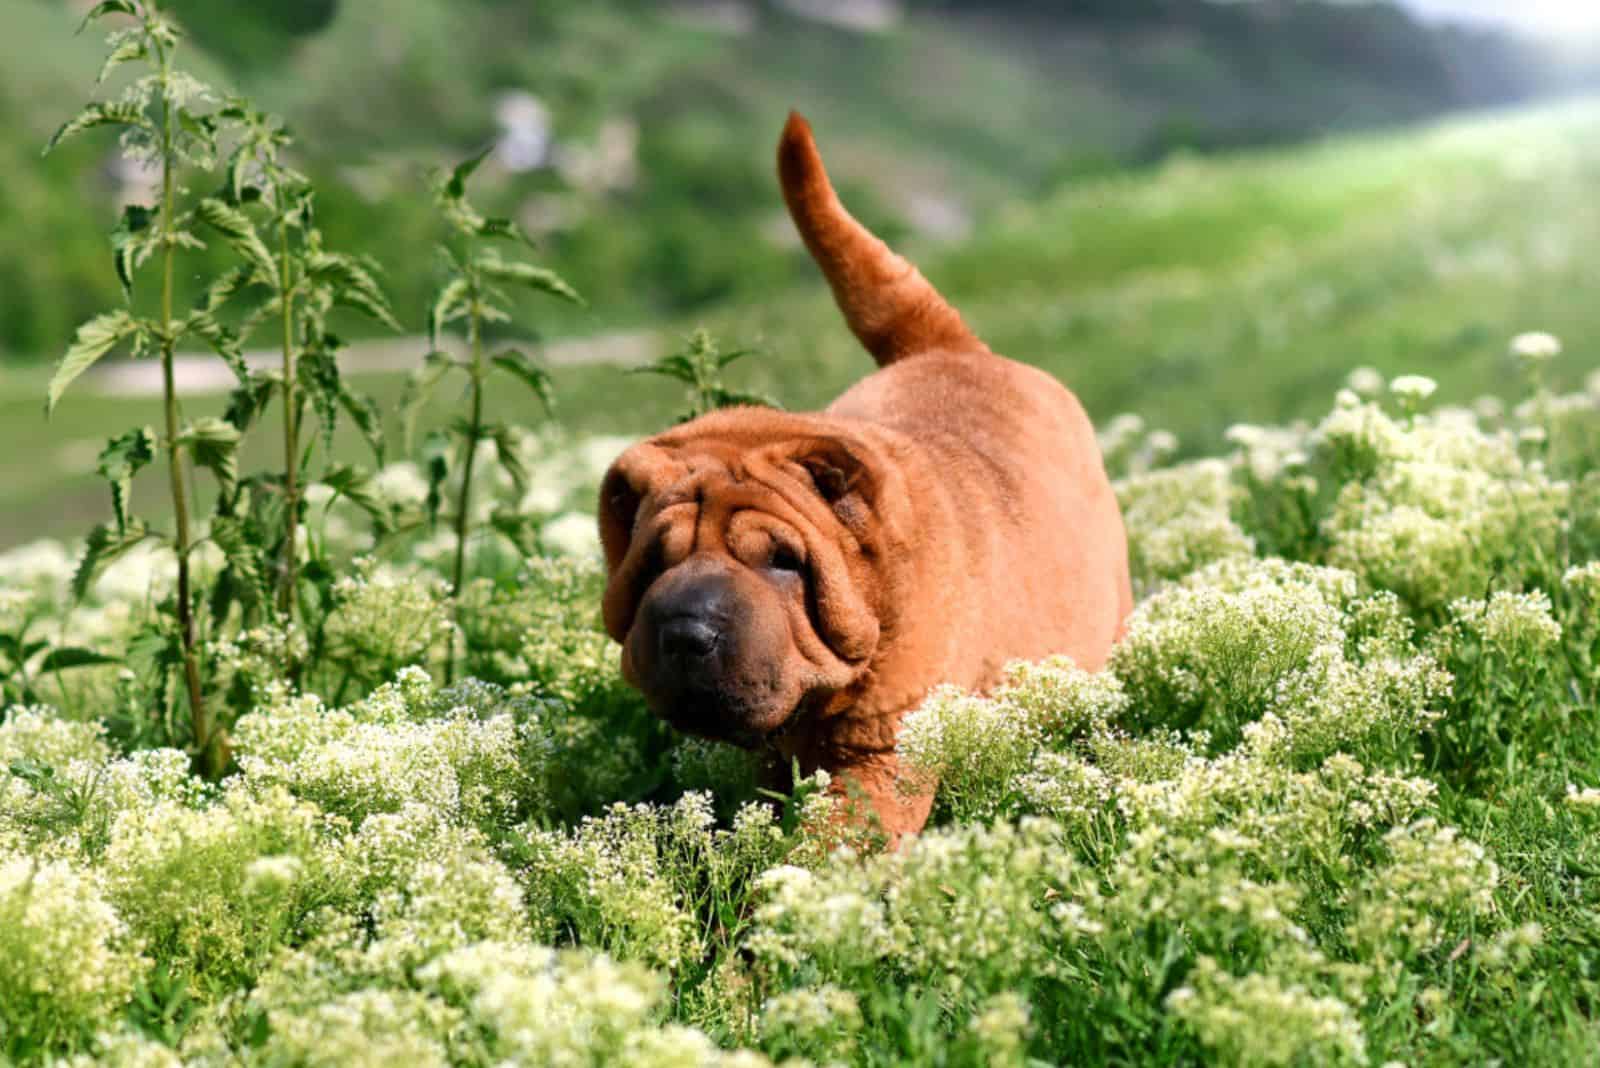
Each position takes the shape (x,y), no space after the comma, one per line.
(223,342)
(120,460)
(240,233)
(364,412)
(110,113)
(435,456)
(526,275)
(248,401)
(269,308)
(214,444)
(93,340)
(226,286)
(243,556)
(357,485)
(456,187)
(449,305)
(108,7)
(105,544)
(518,528)
(131,243)
(353,285)
(319,379)
(532,375)
(676,366)
(506,447)
(420,385)
(503,228)
(126,49)
(70,656)
(733,398)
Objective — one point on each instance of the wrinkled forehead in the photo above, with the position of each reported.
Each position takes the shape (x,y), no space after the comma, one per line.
(718,485)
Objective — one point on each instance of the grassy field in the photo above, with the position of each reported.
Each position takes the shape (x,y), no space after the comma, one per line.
(1201,293)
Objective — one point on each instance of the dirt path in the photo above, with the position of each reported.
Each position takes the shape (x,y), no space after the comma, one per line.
(199,373)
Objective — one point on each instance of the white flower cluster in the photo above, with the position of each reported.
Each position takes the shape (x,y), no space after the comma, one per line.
(385,753)
(67,960)
(1180,518)
(1433,509)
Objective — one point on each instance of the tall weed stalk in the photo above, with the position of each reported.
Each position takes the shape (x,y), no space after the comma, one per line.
(473,294)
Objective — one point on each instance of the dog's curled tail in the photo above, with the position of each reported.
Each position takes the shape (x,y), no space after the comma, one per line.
(889,306)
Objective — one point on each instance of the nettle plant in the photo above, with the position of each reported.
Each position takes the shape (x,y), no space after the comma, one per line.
(475,295)
(699,367)
(174,124)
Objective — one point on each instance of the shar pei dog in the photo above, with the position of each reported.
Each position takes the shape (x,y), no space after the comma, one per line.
(798,582)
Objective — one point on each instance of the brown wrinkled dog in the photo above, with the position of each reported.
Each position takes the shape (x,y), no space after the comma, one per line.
(801,581)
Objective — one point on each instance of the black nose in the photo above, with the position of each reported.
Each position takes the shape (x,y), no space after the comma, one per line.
(688,638)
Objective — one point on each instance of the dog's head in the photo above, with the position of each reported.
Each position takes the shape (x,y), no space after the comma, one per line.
(749,554)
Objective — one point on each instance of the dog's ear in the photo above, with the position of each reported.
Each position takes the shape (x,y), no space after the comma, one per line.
(622,491)
(843,474)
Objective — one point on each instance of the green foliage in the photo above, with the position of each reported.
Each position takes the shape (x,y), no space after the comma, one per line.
(471,293)
(699,367)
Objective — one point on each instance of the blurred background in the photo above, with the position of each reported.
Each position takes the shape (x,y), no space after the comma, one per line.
(1203,212)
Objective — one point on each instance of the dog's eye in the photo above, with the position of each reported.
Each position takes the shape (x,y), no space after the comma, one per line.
(785,559)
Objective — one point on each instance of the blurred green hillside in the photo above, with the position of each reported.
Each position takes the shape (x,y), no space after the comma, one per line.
(656,196)
(1034,165)
(1198,293)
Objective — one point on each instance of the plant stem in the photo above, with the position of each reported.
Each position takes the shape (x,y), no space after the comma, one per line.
(287,596)
(474,434)
(211,744)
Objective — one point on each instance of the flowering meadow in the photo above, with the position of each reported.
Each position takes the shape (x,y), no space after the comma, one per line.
(1335,799)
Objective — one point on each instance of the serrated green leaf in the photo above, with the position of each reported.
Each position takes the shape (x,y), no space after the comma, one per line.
(70,656)
(319,380)
(675,366)
(364,412)
(506,439)
(93,340)
(521,530)
(269,308)
(727,398)
(222,341)
(449,305)
(526,275)
(240,233)
(243,556)
(248,401)
(214,444)
(131,243)
(105,544)
(456,187)
(420,385)
(353,285)
(506,229)
(226,286)
(108,7)
(532,375)
(112,113)
(128,50)
(356,485)
(119,461)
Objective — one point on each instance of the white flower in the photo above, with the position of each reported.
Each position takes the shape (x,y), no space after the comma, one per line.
(1413,387)
(1588,797)
(1366,381)
(1536,346)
